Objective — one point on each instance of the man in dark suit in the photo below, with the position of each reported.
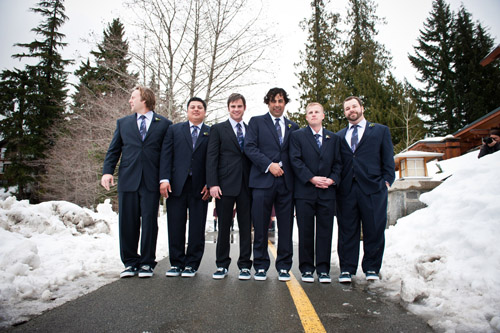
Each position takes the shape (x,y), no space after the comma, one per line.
(316,163)
(138,139)
(271,180)
(228,169)
(183,183)
(367,173)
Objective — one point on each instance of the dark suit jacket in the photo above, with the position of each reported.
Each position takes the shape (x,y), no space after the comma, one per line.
(372,163)
(227,165)
(262,147)
(138,159)
(308,160)
(178,157)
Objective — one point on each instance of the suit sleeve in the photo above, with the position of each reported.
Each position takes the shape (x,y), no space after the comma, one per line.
(114,152)
(252,149)
(388,166)
(212,163)
(166,155)
(300,169)
(337,161)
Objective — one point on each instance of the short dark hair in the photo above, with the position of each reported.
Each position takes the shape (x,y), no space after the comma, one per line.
(197,99)
(495,131)
(234,97)
(272,93)
(353,97)
(148,96)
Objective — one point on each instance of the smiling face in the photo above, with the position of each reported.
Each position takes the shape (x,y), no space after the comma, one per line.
(196,112)
(136,104)
(353,111)
(236,110)
(277,105)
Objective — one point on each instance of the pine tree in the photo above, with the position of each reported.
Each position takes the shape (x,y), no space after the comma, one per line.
(477,88)
(101,97)
(39,100)
(321,68)
(434,62)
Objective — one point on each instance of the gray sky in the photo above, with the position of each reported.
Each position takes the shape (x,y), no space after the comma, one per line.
(404,19)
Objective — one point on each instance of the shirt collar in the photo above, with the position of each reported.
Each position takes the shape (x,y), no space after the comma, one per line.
(234,122)
(320,131)
(361,124)
(148,115)
(199,126)
(282,119)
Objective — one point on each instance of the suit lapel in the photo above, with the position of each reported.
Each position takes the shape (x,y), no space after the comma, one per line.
(133,126)
(152,127)
(202,135)
(343,141)
(230,133)
(288,126)
(187,134)
(270,123)
(311,139)
(366,134)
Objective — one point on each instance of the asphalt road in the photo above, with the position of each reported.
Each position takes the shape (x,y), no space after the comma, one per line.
(202,304)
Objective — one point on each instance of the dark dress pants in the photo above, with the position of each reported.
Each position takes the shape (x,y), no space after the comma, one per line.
(315,222)
(224,207)
(177,208)
(369,211)
(138,217)
(262,203)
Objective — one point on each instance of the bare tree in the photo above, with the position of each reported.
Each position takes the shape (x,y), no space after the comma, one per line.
(206,48)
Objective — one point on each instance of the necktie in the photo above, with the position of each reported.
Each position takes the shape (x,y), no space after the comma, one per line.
(278,129)
(194,134)
(142,128)
(317,136)
(354,138)
(239,135)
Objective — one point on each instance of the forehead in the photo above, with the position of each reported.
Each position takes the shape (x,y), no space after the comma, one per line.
(314,108)
(351,103)
(277,97)
(136,93)
(195,104)
(236,102)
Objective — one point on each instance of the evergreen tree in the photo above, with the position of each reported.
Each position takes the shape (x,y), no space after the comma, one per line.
(434,61)
(365,64)
(321,64)
(477,88)
(37,100)
(101,97)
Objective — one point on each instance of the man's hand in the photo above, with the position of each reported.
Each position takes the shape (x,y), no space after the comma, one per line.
(205,193)
(165,189)
(215,192)
(276,170)
(106,180)
(321,182)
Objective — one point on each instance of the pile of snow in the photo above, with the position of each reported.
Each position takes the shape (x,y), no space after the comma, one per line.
(443,261)
(54,252)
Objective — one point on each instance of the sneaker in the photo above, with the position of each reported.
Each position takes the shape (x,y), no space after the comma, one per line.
(261,275)
(284,275)
(345,277)
(245,274)
(174,271)
(324,278)
(188,272)
(128,272)
(307,277)
(145,271)
(372,276)
(220,273)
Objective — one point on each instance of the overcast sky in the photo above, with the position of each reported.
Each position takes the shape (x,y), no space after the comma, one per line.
(404,19)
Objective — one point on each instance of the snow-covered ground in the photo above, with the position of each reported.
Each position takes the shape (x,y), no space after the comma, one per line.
(442,262)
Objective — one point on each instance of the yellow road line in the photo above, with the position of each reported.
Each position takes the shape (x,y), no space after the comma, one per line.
(307,313)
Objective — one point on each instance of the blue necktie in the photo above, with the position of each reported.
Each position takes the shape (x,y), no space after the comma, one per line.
(318,142)
(194,134)
(142,128)
(354,138)
(239,135)
(278,129)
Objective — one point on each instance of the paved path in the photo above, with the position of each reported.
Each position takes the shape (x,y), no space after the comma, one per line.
(202,304)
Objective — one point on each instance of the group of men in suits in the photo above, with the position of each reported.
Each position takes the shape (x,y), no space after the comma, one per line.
(268,163)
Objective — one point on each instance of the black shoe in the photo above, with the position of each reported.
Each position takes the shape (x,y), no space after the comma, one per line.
(188,272)
(345,277)
(261,275)
(307,277)
(245,274)
(220,273)
(324,278)
(129,272)
(284,275)
(372,276)
(145,271)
